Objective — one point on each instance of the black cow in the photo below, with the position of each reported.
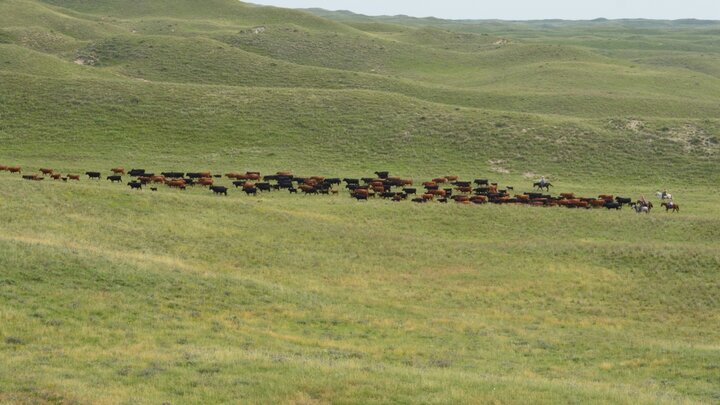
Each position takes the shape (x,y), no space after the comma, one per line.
(292,190)
(136,172)
(419,200)
(114,179)
(135,185)
(360,197)
(351,181)
(250,191)
(443,200)
(194,175)
(613,205)
(482,182)
(462,184)
(623,201)
(383,175)
(93,175)
(410,190)
(219,190)
(263,186)
(173,175)
(239,183)
(153,188)
(388,194)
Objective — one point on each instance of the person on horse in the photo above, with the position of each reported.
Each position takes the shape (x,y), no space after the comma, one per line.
(670,204)
(543,182)
(643,202)
(664,194)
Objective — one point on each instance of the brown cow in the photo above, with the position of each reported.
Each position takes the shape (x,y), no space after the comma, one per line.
(205,181)
(74,177)
(452,178)
(568,196)
(248,185)
(429,184)
(205,175)
(440,180)
(176,184)
(158,179)
(465,189)
(118,170)
(233,175)
(428,197)
(438,193)
(607,197)
(14,169)
(407,182)
(46,171)
(145,179)
(285,174)
(3,168)
(56,176)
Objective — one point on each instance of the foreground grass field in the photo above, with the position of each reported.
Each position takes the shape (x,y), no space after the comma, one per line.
(114,296)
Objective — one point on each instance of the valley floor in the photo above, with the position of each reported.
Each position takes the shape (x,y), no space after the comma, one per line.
(114,296)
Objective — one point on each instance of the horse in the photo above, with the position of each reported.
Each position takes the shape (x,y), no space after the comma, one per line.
(663,196)
(641,208)
(668,207)
(541,186)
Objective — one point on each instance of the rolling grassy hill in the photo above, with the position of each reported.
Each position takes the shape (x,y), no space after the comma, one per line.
(109,295)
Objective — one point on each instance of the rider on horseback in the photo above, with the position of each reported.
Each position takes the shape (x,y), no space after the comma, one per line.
(543,182)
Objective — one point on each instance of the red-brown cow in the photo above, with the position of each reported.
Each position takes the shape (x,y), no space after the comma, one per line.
(205,181)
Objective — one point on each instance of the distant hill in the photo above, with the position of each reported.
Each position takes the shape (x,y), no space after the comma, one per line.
(564,90)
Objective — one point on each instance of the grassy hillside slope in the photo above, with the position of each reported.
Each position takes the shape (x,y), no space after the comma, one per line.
(114,296)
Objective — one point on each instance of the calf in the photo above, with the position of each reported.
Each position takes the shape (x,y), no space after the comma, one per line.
(115,178)
(219,190)
(93,175)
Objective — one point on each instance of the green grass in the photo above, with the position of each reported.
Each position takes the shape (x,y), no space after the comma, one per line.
(132,296)
(114,296)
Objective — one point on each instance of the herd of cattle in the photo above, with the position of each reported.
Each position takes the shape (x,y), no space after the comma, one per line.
(381,185)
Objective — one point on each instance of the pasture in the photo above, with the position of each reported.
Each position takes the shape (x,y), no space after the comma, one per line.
(110,295)
(113,295)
